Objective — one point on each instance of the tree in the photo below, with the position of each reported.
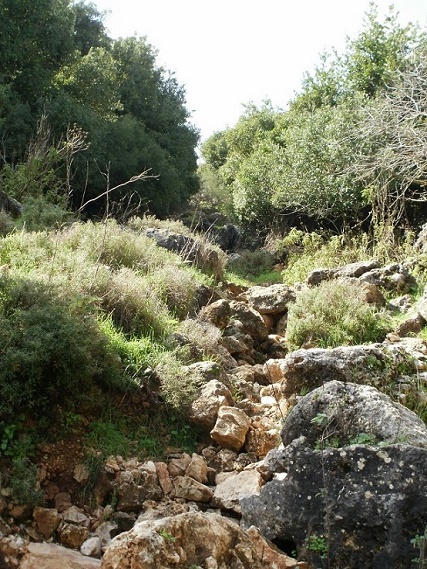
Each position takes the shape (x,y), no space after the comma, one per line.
(392,164)
(35,39)
(92,80)
(89,30)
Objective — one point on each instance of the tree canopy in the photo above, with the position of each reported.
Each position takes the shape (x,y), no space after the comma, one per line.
(57,62)
(349,148)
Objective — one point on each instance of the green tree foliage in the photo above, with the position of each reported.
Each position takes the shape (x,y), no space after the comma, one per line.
(89,30)
(306,164)
(56,59)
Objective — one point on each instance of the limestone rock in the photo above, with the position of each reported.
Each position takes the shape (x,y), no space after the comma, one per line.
(92,547)
(352,270)
(368,501)
(218,313)
(348,410)
(75,516)
(73,536)
(310,368)
(230,428)
(234,487)
(198,469)
(178,466)
(47,520)
(191,490)
(273,299)
(106,531)
(51,556)
(394,277)
(252,321)
(192,539)
(204,409)
(164,477)
(133,488)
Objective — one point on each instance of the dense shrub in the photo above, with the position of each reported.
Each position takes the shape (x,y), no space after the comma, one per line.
(49,350)
(333,314)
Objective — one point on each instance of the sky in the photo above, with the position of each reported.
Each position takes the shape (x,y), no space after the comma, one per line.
(228,53)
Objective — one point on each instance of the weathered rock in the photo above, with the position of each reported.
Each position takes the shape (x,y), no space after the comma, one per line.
(106,531)
(261,441)
(230,428)
(361,504)
(218,313)
(134,487)
(178,466)
(411,325)
(370,292)
(47,520)
(352,270)
(164,477)
(73,536)
(92,547)
(191,490)
(62,501)
(273,299)
(307,369)
(221,461)
(198,469)
(234,487)
(193,539)
(81,473)
(394,277)
(252,321)
(51,556)
(204,409)
(208,371)
(346,411)
(75,516)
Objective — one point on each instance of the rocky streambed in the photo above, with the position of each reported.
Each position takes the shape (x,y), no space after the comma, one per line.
(304,457)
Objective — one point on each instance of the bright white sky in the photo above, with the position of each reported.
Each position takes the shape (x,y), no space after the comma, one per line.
(230,52)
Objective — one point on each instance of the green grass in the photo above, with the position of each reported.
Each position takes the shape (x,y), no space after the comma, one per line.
(334,314)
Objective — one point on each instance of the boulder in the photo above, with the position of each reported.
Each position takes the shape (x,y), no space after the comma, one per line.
(352,270)
(273,299)
(251,320)
(198,469)
(230,428)
(192,540)
(133,487)
(47,520)
(217,313)
(348,412)
(73,536)
(191,490)
(358,506)
(51,556)
(309,368)
(204,409)
(233,487)
(394,277)
(92,547)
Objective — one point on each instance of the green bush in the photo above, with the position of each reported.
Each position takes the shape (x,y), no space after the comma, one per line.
(50,351)
(333,314)
(7,225)
(39,214)
(251,264)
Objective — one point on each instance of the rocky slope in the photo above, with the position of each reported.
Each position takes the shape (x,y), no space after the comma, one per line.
(336,475)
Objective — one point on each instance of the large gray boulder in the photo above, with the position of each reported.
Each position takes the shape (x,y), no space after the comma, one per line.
(356,505)
(341,413)
(376,364)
